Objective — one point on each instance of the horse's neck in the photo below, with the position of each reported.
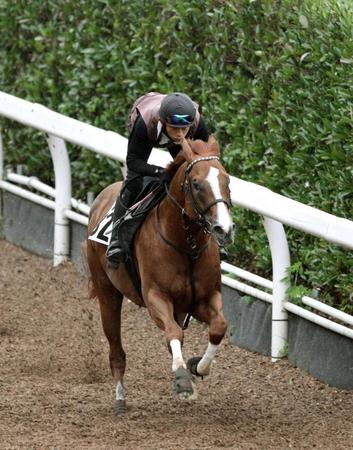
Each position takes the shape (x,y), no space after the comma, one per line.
(172,223)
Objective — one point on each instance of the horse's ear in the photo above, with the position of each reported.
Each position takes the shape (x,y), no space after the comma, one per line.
(212,139)
(188,153)
(213,145)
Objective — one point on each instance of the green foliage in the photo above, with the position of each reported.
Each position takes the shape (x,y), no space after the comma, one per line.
(296,291)
(273,78)
(247,299)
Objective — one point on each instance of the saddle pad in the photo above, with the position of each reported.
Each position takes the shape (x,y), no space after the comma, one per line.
(103,229)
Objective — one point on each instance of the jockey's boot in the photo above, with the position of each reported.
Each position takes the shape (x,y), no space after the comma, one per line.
(223,254)
(115,253)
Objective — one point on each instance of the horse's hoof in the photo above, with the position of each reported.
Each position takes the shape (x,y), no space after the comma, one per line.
(183,385)
(120,407)
(192,365)
(184,396)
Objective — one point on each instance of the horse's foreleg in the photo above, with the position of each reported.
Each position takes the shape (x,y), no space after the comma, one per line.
(211,313)
(175,349)
(160,309)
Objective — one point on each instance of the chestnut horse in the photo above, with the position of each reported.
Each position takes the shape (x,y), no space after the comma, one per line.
(177,259)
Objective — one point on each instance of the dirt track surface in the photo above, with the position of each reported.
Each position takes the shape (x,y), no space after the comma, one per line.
(56,391)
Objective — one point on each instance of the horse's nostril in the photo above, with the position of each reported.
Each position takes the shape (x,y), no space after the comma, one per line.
(218,230)
(223,236)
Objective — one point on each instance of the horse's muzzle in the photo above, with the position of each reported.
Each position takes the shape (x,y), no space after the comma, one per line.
(223,236)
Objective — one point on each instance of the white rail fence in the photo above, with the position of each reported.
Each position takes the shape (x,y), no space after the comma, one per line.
(275,209)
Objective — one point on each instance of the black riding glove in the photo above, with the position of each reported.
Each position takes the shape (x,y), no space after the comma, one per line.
(163,175)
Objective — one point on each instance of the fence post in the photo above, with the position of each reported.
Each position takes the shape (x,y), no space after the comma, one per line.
(62,172)
(90,198)
(280,262)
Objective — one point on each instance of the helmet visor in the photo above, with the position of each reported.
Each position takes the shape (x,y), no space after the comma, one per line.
(179,120)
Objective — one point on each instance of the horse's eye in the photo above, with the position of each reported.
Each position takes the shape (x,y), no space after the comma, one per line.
(196,185)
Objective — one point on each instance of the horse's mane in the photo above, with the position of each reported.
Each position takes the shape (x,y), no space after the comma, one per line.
(199,148)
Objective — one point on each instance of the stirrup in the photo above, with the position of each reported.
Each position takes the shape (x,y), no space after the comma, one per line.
(115,256)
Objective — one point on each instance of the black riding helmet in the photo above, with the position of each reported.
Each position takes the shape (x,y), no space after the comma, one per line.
(177,110)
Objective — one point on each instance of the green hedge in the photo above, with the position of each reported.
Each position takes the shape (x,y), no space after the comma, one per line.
(274,79)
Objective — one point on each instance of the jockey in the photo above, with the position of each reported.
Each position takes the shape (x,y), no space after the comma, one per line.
(155,120)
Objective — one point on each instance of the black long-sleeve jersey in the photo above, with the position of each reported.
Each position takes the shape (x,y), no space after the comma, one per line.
(140,146)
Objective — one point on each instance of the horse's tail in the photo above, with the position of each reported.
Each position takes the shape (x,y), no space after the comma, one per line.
(91,289)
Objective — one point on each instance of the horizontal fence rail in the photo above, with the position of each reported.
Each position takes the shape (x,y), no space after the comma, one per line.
(276,210)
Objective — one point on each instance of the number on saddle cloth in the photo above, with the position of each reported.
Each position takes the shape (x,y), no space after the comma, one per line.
(103,229)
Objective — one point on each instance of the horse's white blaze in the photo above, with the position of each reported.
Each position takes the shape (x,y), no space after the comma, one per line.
(120,391)
(204,365)
(223,217)
(178,360)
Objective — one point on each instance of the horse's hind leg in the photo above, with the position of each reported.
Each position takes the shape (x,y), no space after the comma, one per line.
(110,303)
(211,313)
(111,321)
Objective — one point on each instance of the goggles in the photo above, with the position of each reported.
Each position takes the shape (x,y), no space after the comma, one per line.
(181,120)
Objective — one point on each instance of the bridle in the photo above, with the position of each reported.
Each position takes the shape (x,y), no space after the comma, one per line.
(186,185)
(201,220)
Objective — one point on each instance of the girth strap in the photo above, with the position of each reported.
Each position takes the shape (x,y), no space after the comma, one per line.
(193,295)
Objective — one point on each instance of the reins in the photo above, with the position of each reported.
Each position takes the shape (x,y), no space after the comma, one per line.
(195,251)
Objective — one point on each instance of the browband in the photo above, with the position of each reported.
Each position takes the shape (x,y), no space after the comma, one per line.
(203,158)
